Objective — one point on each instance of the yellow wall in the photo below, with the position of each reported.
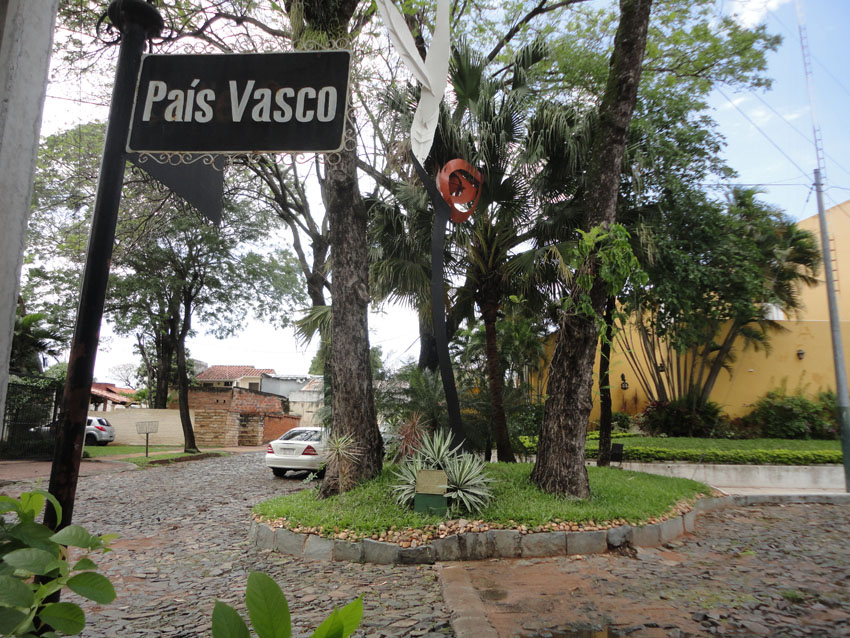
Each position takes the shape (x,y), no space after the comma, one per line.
(755,373)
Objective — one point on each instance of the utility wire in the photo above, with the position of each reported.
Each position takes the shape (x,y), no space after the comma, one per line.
(759,129)
(796,130)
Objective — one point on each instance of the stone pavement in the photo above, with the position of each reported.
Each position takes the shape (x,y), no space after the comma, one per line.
(767,570)
(764,570)
(184,530)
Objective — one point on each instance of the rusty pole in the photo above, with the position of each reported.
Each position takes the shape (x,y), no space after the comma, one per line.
(137,21)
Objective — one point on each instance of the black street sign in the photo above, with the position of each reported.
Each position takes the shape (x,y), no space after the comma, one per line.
(233,103)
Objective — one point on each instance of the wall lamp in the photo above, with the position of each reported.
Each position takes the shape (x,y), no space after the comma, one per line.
(801,354)
(625,384)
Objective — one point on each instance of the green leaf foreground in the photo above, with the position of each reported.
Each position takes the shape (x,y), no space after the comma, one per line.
(30,549)
(269,613)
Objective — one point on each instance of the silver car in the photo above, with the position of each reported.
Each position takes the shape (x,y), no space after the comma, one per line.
(99,431)
(301,448)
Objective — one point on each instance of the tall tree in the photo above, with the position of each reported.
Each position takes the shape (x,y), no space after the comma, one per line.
(560,467)
(718,273)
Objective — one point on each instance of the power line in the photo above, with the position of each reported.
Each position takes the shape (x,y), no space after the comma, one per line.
(759,129)
(796,130)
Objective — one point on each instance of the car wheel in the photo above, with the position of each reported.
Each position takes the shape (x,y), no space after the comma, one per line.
(91,439)
(279,472)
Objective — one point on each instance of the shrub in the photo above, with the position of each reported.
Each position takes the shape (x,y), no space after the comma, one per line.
(678,418)
(467,484)
(524,423)
(782,416)
(34,563)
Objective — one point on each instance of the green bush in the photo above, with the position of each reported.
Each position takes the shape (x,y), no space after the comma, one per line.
(733,457)
(467,483)
(678,418)
(783,416)
(523,425)
(34,564)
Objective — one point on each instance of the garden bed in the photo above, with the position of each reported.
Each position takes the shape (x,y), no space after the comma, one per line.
(370,511)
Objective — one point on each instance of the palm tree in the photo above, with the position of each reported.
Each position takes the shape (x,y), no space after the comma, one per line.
(32,342)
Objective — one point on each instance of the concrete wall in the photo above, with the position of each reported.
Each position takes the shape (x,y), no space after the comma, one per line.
(124,421)
(26,36)
(810,477)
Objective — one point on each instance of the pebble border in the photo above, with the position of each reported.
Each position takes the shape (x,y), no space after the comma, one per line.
(506,543)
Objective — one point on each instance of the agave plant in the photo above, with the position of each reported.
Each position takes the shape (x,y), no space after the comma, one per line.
(468,485)
(436,448)
(342,450)
(406,473)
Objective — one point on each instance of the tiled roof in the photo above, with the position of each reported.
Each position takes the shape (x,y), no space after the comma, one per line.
(315,384)
(105,393)
(231,373)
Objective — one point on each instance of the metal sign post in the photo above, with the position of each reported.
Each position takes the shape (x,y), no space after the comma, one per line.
(147,428)
(137,21)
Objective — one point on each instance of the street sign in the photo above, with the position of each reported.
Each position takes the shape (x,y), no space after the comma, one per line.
(147,427)
(241,103)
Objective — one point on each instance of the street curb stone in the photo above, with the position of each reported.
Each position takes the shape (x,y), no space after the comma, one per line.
(505,543)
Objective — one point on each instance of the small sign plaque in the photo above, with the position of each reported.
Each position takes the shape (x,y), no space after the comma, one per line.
(147,427)
(241,103)
(431,482)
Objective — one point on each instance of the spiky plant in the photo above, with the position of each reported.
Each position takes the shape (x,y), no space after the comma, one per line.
(468,485)
(436,448)
(406,474)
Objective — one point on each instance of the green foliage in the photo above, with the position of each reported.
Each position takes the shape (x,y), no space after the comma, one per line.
(370,508)
(680,418)
(34,564)
(467,482)
(732,457)
(269,614)
(780,415)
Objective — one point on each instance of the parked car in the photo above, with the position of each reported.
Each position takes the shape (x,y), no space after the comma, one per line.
(98,430)
(301,448)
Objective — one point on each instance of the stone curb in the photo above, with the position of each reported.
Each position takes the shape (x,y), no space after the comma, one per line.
(511,543)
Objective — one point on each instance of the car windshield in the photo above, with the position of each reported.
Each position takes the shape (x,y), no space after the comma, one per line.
(302,435)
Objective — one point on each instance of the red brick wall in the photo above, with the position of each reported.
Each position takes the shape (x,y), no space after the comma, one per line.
(275,425)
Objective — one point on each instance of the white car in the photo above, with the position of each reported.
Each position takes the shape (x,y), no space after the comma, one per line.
(301,448)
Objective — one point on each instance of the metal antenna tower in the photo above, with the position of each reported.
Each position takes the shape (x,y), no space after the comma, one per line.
(841,389)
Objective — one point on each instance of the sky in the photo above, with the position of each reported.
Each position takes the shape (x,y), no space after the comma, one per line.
(769,143)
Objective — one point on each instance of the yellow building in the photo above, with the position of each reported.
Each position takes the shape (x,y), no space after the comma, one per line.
(799,357)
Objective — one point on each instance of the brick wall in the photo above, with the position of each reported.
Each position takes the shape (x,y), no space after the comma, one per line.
(236,399)
(216,428)
(251,429)
(275,425)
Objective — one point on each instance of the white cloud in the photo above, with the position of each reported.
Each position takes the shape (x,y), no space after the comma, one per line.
(752,12)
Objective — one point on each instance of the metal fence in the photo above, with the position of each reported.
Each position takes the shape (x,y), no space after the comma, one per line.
(30,420)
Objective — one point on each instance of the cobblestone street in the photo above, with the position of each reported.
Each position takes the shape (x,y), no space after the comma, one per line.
(183,545)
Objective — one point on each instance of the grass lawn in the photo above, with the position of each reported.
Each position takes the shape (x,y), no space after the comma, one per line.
(145,461)
(97,451)
(371,511)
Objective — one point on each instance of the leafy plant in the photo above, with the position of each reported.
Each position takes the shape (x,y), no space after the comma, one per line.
(269,614)
(467,483)
(783,416)
(34,564)
(681,418)
(436,449)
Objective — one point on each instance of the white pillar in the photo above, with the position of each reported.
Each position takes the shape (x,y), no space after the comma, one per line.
(26,38)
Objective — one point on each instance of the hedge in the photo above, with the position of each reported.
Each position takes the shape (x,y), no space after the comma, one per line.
(734,457)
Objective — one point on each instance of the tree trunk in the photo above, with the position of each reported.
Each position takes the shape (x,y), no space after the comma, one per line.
(164,357)
(560,468)
(351,378)
(605,415)
(504,453)
(428,359)
(560,457)
(189,444)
